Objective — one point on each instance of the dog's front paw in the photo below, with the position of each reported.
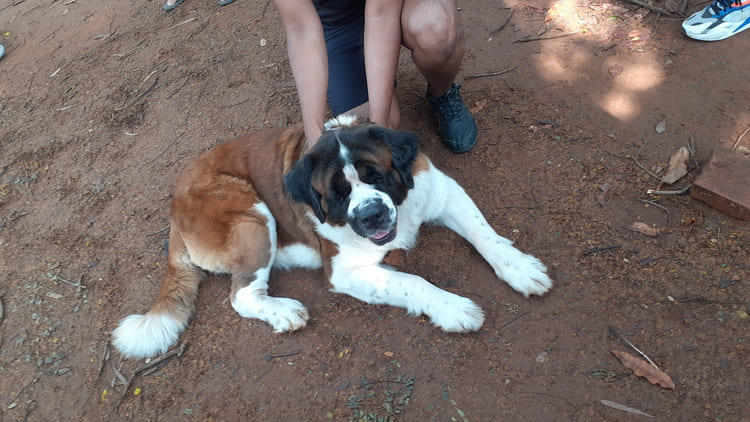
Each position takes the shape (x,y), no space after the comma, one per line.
(455,314)
(524,273)
(286,314)
(283,314)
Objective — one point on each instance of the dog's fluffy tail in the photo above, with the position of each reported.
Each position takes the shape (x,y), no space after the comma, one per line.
(144,336)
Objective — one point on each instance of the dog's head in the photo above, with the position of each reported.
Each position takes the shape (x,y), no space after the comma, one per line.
(357,175)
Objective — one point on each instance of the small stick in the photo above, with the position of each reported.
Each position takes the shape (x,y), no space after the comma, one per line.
(504,24)
(484,75)
(614,333)
(269,358)
(739,138)
(548,37)
(178,351)
(174,352)
(137,97)
(682,191)
(105,356)
(119,375)
(691,149)
(650,173)
(624,408)
(549,26)
(182,23)
(683,6)
(653,8)
(78,285)
(602,249)
(669,214)
(158,231)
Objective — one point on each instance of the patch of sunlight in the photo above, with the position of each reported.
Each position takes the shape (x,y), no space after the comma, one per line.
(564,67)
(621,101)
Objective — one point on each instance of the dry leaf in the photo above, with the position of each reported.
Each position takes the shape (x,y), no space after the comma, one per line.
(677,166)
(661,126)
(643,369)
(478,106)
(644,228)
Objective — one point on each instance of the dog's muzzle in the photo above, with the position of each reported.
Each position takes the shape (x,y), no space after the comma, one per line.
(375,220)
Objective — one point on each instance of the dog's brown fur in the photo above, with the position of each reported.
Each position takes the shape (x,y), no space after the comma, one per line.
(211,215)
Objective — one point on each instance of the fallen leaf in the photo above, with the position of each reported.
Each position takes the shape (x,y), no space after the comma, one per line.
(661,126)
(643,369)
(677,166)
(644,228)
(615,70)
(478,106)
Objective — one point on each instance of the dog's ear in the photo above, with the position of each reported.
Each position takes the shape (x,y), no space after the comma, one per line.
(404,146)
(298,184)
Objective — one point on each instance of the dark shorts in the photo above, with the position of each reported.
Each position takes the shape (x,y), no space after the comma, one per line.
(347,81)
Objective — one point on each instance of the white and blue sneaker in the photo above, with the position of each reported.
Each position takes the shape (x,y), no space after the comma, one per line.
(2,51)
(720,20)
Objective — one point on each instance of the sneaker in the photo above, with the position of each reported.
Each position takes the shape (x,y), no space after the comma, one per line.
(457,127)
(2,51)
(720,20)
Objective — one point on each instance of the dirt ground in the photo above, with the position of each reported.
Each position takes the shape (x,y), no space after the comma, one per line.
(103,103)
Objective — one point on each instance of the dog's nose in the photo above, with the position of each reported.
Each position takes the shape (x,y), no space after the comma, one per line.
(372,215)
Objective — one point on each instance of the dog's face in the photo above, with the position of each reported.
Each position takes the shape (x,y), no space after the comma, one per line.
(357,176)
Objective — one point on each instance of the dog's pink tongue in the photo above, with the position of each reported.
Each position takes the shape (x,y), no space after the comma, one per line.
(380,235)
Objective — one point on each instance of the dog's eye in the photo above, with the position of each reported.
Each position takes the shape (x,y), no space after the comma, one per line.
(371,175)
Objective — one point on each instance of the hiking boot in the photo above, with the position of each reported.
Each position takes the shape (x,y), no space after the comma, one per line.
(720,20)
(456,126)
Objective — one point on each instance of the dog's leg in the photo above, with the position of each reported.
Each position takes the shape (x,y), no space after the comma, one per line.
(253,246)
(524,273)
(376,284)
(142,336)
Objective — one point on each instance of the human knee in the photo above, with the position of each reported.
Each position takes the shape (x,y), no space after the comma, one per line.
(433,31)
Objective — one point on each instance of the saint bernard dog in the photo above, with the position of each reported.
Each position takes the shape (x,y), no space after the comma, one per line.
(262,201)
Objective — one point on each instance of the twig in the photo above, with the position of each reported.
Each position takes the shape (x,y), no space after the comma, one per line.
(648,6)
(236,104)
(269,358)
(739,138)
(580,138)
(484,75)
(548,37)
(691,149)
(711,302)
(624,408)
(681,191)
(602,249)
(512,320)
(119,375)
(614,333)
(105,357)
(174,352)
(683,6)
(669,214)
(655,176)
(182,23)
(549,26)
(158,231)
(78,285)
(504,24)
(137,97)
